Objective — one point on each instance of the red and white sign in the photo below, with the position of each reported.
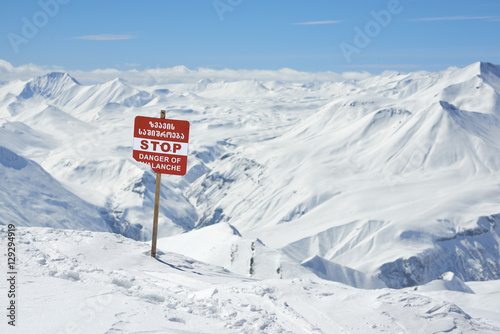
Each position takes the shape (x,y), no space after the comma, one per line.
(162,144)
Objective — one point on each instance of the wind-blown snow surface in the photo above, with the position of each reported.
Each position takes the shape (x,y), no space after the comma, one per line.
(390,179)
(95,282)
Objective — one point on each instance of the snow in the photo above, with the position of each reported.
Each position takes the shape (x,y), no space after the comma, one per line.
(34,197)
(98,282)
(221,244)
(447,281)
(304,199)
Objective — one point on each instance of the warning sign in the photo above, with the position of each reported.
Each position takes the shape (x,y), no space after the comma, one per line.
(162,144)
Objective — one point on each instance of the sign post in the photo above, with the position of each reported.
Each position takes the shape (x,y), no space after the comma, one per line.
(162,144)
(156,207)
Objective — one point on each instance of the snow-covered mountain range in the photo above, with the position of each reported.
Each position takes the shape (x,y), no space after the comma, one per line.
(392,180)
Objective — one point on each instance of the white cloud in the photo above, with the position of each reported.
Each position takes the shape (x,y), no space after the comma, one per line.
(183,74)
(5,66)
(105,37)
(176,74)
(23,72)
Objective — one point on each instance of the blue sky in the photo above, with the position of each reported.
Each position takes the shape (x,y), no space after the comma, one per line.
(314,35)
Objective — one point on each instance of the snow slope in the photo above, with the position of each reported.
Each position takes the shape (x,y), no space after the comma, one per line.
(392,178)
(221,244)
(32,196)
(91,282)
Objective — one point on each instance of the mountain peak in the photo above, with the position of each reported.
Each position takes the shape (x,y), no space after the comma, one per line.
(58,76)
(49,85)
(117,83)
(119,80)
(481,68)
(489,68)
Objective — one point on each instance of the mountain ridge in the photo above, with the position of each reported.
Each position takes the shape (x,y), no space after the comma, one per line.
(49,85)
(289,164)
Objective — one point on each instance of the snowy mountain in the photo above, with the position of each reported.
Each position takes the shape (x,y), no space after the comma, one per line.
(53,85)
(31,196)
(373,171)
(391,180)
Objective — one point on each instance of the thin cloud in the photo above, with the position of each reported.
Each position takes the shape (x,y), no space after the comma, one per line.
(105,37)
(317,22)
(458,18)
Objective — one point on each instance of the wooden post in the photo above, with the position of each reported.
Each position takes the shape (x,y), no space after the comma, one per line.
(157,206)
